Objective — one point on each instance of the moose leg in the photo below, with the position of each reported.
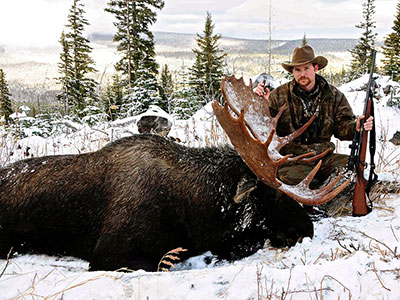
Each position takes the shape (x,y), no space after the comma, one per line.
(14,237)
(113,252)
(109,253)
(6,244)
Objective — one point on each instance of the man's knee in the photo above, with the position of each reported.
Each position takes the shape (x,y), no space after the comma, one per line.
(294,174)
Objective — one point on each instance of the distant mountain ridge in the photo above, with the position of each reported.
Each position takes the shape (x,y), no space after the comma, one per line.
(184,41)
(32,71)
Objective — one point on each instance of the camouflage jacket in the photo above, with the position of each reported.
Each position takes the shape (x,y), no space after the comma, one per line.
(335,117)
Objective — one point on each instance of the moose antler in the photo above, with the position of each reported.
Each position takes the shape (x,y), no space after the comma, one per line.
(253,134)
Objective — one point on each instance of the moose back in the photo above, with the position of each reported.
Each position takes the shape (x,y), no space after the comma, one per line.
(139,197)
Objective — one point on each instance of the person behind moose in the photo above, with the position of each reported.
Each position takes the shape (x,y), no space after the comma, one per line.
(309,93)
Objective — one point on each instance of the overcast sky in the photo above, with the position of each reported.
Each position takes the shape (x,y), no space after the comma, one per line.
(40,22)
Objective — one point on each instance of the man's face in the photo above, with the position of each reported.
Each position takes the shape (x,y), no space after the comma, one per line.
(305,75)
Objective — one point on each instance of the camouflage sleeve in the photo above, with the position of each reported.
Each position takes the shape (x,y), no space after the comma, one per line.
(275,101)
(344,119)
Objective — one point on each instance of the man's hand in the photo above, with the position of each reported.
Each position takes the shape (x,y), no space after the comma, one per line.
(368,124)
(262,91)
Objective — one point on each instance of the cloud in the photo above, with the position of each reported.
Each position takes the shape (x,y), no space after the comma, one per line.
(27,22)
(290,19)
(41,22)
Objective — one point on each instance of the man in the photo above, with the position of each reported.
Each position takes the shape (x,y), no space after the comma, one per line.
(306,94)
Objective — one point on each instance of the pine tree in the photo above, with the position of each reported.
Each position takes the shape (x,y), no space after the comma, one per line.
(5,100)
(166,89)
(184,102)
(113,97)
(391,49)
(304,41)
(65,69)
(134,38)
(136,46)
(361,53)
(207,70)
(141,95)
(78,89)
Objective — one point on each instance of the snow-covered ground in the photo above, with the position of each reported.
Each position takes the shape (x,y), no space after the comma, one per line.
(348,258)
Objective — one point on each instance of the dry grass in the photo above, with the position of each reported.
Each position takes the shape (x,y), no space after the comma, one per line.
(171,255)
(268,291)
(31,292)
(7,262)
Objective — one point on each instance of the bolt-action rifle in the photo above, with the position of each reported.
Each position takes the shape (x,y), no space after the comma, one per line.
(357,159)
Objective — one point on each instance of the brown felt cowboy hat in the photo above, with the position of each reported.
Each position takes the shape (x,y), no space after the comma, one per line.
(304,55)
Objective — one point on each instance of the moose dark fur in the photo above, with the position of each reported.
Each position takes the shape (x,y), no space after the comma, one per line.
(137,198)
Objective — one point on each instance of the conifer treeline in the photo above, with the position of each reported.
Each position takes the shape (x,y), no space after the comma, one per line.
(136,83)
(134,86)
(361,53)
(78,90)
(391,49)
(361,58)
(5,98)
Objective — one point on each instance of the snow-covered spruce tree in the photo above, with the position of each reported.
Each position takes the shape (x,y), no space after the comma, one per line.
(66,72)
(207,70)
(78,89)
(391,49)
(184,101)
(136,47)
(5,100)
(142,94)
(112,97)
(361,53)
(166,89)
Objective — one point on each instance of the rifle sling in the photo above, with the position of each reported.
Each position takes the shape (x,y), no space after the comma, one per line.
(373,178)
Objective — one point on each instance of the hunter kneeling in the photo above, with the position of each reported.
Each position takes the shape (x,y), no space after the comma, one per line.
(308,94)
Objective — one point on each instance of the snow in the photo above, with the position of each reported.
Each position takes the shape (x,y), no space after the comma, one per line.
(348,258)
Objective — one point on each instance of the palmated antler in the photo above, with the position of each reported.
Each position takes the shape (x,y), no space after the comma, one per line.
(253,134)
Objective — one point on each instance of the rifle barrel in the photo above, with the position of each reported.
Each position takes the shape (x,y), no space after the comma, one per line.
(356,145)
(370,81)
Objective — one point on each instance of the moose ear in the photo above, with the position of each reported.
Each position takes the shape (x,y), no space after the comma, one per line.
(244,187)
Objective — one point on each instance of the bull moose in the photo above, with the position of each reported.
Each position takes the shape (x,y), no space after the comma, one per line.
(130,202)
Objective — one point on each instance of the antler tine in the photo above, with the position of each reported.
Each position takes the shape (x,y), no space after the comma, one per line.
(304,195)
(268,142)
(287,139)
(253,135)
(306,181)
(314,158)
